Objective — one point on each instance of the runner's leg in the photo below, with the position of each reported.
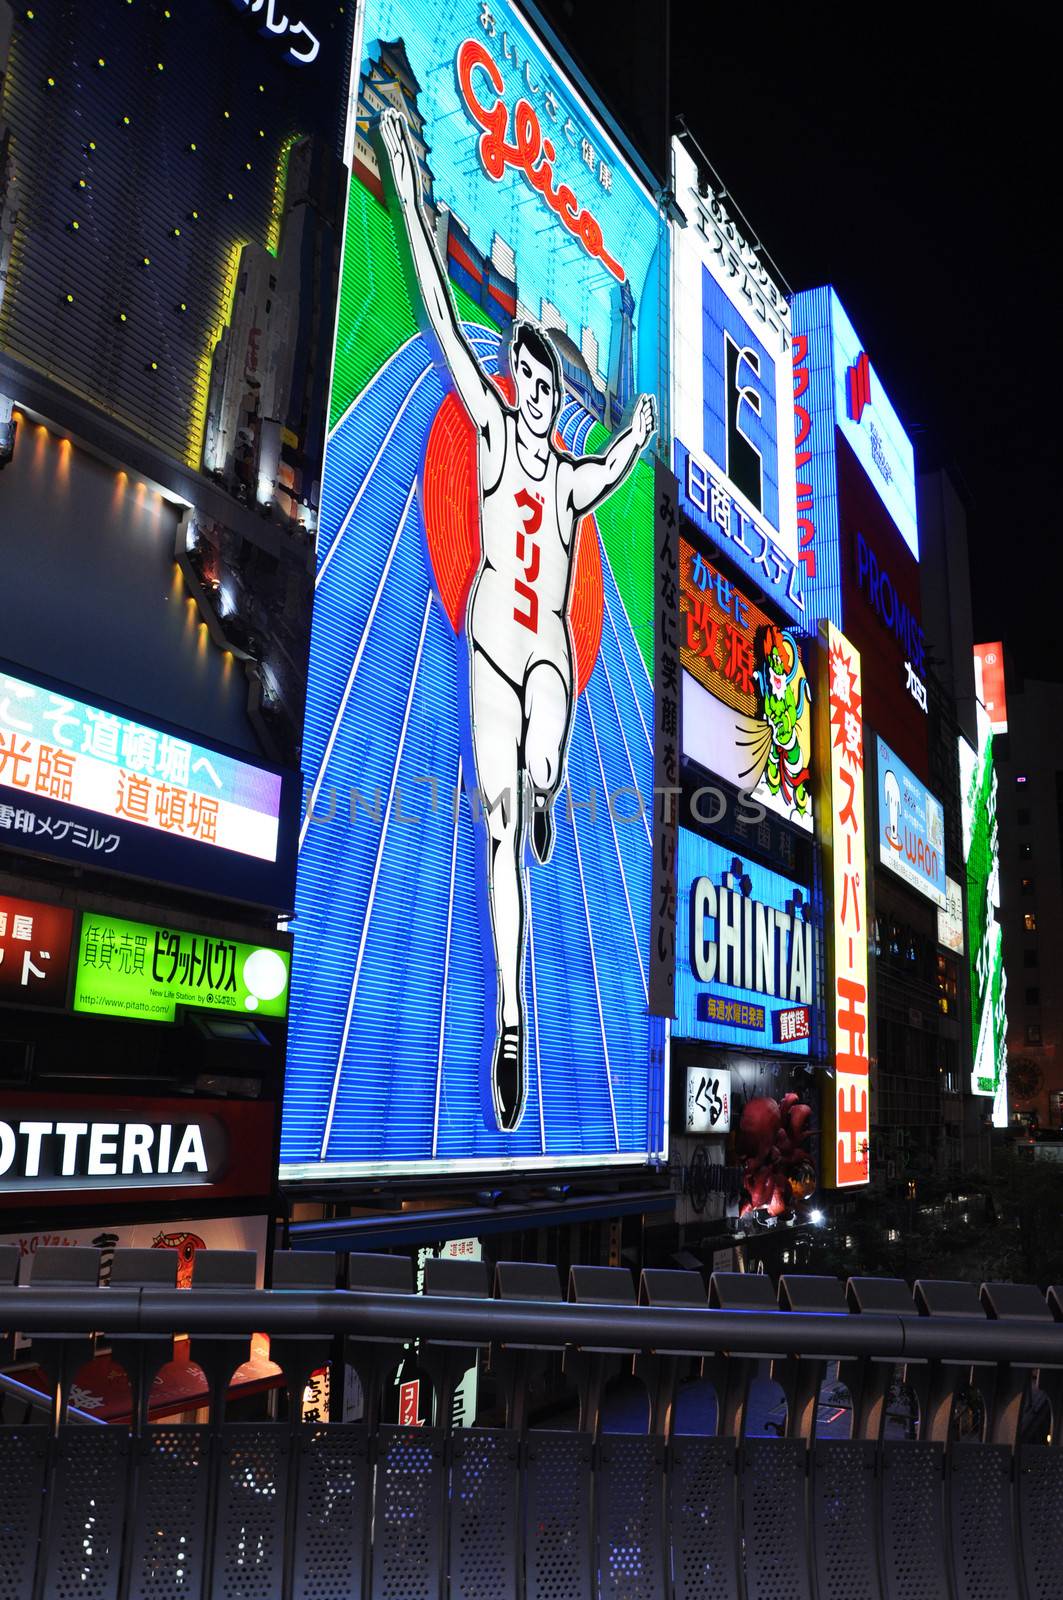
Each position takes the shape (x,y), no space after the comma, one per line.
(548,701)
(497,720)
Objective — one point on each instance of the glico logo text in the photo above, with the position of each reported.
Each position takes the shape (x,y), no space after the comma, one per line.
(530,153)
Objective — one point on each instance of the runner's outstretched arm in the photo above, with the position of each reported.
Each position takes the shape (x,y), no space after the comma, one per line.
(402,178)
(594,478)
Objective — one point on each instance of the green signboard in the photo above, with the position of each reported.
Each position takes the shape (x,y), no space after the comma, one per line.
(139,969)
(989,1021)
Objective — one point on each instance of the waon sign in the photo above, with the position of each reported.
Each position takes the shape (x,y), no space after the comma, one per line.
(847,1107)
(35,942)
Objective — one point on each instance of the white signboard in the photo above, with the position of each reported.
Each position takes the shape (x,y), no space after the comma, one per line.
(708,1100)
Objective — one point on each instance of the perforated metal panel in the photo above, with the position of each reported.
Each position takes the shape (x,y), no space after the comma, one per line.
(557,1509)
(483,1514)
(23,1452)
(980,1518)
(1040,1520)
(702,1519)
(87,1510)
(772,1475)
(332,1511)
(168,1531)
(249,1522)
(913,1521)
(408,1514)
(844,1503)
(630,1512)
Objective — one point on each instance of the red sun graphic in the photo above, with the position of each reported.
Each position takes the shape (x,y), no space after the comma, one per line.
(452,525)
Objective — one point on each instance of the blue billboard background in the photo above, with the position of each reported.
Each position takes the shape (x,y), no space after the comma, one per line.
(757,1026)
(911,827)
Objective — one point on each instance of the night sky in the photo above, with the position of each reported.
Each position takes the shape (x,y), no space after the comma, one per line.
(902,155)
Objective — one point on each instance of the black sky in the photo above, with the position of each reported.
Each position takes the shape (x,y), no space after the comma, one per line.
(906,156)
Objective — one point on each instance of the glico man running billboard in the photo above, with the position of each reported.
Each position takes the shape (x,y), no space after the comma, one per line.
(477,753)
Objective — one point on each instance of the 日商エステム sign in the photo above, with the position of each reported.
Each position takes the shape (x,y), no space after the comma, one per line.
(478,741)
(733,393)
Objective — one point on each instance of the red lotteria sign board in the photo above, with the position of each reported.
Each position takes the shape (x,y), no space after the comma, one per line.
(35,944)
(84,1149)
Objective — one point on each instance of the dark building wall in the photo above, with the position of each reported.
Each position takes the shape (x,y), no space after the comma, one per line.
(945,580)
(1029,759)
(160,133)
(92,594)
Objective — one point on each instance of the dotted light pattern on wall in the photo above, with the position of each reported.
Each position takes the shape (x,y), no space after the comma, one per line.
(188,107)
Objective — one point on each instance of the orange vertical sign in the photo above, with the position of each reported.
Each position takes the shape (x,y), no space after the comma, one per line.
(846,1102)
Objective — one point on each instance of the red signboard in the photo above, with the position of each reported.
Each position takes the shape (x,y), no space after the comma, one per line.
(81,1150)
(989,663)
(847,1102)
(410,1404)
(35,944)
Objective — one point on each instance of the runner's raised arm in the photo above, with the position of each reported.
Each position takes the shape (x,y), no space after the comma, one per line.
(427,282)
(591,480)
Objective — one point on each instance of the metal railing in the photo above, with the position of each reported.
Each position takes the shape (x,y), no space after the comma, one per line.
(692,1502)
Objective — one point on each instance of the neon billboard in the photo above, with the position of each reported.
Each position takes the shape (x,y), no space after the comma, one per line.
(747,701)
(985,939)
(746,974)
(733,393)
(840,730)
(477,743)
(100,786)
(911,827)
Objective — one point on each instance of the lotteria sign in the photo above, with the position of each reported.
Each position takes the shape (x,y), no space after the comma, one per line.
(480,681)
(911,827)
(733,393)
(747,934)
(57,1149)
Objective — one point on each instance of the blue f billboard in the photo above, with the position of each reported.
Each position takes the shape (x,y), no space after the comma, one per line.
(745,968)
(733,394)
(472,943)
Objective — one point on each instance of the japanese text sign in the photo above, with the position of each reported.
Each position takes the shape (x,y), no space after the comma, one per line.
(35,942)
(104,789)
(911,827)
(747,951)
(847,1102)
(135,969)
(732,393)
(747,711)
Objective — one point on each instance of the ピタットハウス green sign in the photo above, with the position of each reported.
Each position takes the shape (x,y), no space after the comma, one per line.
(141,970)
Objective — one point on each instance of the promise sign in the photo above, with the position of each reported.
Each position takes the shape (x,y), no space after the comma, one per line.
(840,725)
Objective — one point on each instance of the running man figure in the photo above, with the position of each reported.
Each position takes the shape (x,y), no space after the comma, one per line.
(521,661)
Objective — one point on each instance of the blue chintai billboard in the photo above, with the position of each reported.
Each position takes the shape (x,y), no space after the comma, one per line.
(471,962)
(746,952)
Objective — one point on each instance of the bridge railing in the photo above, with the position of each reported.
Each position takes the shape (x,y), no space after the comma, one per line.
(714,1489)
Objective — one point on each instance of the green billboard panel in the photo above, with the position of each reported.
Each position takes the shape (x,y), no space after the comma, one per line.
(145,971)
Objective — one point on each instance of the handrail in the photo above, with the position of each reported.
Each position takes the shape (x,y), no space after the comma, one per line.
(43,1402)
(402,1317)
